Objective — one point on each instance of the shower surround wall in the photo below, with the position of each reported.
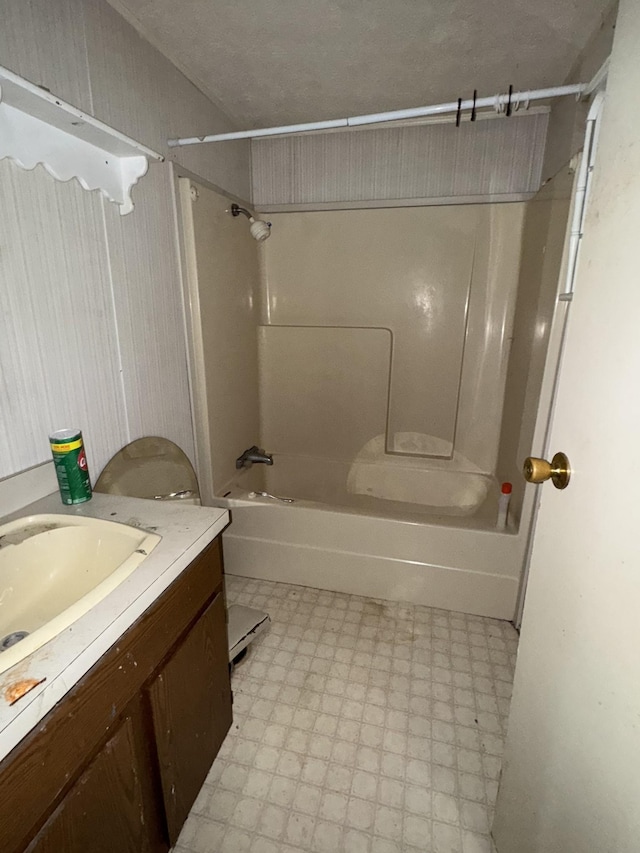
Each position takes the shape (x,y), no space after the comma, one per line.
(223,294)
(542,267)
(385,340)
(382,354)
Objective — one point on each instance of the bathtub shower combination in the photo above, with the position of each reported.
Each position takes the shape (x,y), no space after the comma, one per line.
(369,352)
(443,556)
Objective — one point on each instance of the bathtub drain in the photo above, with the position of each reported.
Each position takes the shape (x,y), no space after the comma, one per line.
(12,639)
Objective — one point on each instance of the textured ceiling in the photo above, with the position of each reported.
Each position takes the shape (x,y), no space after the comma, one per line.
(272,62)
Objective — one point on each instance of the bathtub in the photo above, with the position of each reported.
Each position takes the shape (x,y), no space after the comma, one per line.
(444,553)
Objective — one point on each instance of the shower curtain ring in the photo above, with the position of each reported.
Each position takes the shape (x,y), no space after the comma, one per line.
(508,110)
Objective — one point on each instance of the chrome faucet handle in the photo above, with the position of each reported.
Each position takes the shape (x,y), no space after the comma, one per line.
(253,454)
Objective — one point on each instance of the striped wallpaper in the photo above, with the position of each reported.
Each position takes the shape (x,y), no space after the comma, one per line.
(487,160)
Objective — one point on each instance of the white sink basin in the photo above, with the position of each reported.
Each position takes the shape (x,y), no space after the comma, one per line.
(53,569)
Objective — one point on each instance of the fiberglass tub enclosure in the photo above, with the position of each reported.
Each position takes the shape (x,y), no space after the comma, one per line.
(392,361)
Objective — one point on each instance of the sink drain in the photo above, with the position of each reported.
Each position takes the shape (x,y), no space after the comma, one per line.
(12,639)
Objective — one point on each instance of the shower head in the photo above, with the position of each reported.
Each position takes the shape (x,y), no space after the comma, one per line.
(260,229)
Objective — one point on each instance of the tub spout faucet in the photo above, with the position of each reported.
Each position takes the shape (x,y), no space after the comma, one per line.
(253,454)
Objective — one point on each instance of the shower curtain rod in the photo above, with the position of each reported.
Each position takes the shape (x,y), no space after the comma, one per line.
(499,102)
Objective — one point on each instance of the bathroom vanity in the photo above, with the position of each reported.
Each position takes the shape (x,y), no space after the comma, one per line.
(117,762)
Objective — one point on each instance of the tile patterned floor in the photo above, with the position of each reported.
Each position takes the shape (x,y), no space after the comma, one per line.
(359,726)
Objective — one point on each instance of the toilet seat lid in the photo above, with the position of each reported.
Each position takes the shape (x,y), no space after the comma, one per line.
(148,467)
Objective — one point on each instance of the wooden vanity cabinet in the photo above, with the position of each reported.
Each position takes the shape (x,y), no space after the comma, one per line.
(118,762)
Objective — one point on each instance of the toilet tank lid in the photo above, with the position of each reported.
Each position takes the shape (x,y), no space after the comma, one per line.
(148,467)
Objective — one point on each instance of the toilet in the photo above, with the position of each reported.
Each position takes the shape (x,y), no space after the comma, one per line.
(156,468)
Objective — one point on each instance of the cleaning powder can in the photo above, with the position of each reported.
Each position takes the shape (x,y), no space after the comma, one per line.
(70,462)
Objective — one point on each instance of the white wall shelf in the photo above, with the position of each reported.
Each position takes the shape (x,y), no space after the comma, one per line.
(37,127)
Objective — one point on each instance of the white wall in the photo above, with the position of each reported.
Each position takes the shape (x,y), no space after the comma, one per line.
(91,317)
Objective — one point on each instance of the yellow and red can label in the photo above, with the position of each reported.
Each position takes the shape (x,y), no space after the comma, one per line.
(65,448)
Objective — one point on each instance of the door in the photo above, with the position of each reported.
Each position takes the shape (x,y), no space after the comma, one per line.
(571,770)
(108,809)
(191,709)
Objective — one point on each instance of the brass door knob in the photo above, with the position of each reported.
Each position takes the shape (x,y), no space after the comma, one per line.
(539,470)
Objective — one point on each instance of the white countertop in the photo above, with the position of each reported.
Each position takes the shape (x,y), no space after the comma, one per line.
(185,530)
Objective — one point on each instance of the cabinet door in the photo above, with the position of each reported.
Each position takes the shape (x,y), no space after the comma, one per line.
(191,710)
(107,808)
